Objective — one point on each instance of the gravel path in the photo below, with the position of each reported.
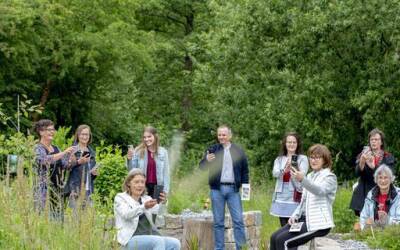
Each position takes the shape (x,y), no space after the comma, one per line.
(348,244)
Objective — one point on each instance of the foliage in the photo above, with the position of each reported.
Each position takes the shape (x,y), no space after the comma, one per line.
(16,144)
(61,138)
(21,227)
(344,217)
(189,193)
(313,67)
(24,111)
(328,70)
(64,54)
(381,239)
(111,174)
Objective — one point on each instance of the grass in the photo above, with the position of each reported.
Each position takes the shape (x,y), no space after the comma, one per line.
(21,227)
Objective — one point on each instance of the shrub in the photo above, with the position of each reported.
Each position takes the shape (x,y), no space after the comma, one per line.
(111,174)
(389,238)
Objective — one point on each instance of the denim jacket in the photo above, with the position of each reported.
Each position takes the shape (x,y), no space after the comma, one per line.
(78,173)
(370,206)
(279,167)
(162,166)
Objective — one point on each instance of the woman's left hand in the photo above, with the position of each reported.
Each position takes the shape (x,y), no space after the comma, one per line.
(94,171)
(298,175)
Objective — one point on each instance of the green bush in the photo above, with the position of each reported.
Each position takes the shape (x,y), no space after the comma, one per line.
(17,144)
(389,238)
(111,174)
(61,138)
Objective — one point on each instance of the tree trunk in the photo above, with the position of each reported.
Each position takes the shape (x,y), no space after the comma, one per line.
(187,89)
(43,98)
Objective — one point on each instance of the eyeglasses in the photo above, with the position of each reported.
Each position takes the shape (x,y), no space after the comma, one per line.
(315,157)
(50,129)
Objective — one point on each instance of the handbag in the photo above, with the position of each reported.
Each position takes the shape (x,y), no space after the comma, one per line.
(297,196)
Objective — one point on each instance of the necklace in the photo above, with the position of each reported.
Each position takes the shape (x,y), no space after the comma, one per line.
(48,147)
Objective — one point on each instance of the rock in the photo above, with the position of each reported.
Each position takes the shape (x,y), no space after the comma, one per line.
(320,243)
(249,219)
(173,221)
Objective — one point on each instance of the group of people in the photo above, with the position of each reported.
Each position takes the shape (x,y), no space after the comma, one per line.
(303,202)
(309,199)
(51,166)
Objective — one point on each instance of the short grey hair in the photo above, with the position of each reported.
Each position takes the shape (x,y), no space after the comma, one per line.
(129,177)
(384,169)
(225,126)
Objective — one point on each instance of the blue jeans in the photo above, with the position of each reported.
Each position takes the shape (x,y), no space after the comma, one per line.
(152,242)
(227,194)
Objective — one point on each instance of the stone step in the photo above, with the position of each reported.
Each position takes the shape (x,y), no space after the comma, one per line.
(321,243)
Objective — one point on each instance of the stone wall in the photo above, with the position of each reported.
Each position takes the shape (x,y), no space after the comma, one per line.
(174,225)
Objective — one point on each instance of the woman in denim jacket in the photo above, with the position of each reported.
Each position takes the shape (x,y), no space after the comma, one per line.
(152,159)
(382,205)
(287,193)
(82,168)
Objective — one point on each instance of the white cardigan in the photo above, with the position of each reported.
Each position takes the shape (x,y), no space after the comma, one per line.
(279,168)
(127,212)
(319,191)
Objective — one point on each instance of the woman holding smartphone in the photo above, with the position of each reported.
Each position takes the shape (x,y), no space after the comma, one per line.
(372,156)
(50,165)
(288,190)
(313,217)
(82,168)
(152,159)
(133,212)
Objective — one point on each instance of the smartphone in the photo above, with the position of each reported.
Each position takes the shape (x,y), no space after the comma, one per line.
(365,149)
(157,190)
(85,154)
(78,154)
(211,150)
(293,162)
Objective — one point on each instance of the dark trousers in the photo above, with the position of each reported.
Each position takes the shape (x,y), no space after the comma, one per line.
(283,221)
(283,239)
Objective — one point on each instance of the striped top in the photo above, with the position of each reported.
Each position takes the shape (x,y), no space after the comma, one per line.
(319,191)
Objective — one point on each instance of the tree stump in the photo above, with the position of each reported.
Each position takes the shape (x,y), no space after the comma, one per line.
(198,234)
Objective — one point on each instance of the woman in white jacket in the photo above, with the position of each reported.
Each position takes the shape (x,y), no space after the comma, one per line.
(313,217)
(133,217)
(288,190)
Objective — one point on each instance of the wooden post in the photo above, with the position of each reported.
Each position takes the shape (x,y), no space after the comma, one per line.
(8,171)
(198,234)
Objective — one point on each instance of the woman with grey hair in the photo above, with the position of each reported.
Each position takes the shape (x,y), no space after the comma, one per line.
(382,205)
(371,157)
(133,216)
